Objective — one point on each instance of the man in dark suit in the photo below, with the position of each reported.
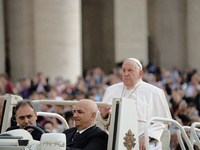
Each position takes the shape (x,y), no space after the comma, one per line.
(86,136)
(27,115)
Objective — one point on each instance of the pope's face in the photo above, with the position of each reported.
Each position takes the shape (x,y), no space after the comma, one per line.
(25,115)
(131,73)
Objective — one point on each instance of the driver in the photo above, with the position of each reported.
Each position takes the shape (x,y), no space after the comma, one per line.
(27,115)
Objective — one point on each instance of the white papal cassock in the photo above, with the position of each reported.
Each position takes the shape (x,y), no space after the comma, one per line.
(150,102)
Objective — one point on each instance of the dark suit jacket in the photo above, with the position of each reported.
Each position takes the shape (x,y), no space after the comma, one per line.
(35,134)
(92,139)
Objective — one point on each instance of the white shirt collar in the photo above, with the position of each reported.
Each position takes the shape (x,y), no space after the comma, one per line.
(84,129)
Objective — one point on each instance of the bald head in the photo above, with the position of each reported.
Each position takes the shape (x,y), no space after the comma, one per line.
(90,105)
(85,112)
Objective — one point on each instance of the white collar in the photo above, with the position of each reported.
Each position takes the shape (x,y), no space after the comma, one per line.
(84,129)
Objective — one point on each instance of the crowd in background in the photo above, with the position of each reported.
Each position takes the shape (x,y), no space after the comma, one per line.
(182,89)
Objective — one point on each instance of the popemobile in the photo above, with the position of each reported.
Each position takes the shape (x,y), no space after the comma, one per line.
(123,132)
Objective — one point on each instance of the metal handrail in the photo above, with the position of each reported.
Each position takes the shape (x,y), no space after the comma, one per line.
(194,141)
(165,120)
(193,135)
(48,114)
(180,140)
(66,102)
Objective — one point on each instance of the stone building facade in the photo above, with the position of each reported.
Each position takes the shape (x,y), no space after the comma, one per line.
(66,37)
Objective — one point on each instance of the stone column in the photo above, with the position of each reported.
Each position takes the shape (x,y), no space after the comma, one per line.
(2,47)
(98,34)
(193,34)
(57,30)
(167,32)
(44,36)
(130,20)
(20,37)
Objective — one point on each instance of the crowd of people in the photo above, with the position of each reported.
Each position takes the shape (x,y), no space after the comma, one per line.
(181,88)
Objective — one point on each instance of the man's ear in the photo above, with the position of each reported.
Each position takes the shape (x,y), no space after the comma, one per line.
(36,114)
(141,72)
(94,115)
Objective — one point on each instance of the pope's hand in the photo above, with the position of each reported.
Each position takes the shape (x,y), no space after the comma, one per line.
(142,143)
(104,111)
